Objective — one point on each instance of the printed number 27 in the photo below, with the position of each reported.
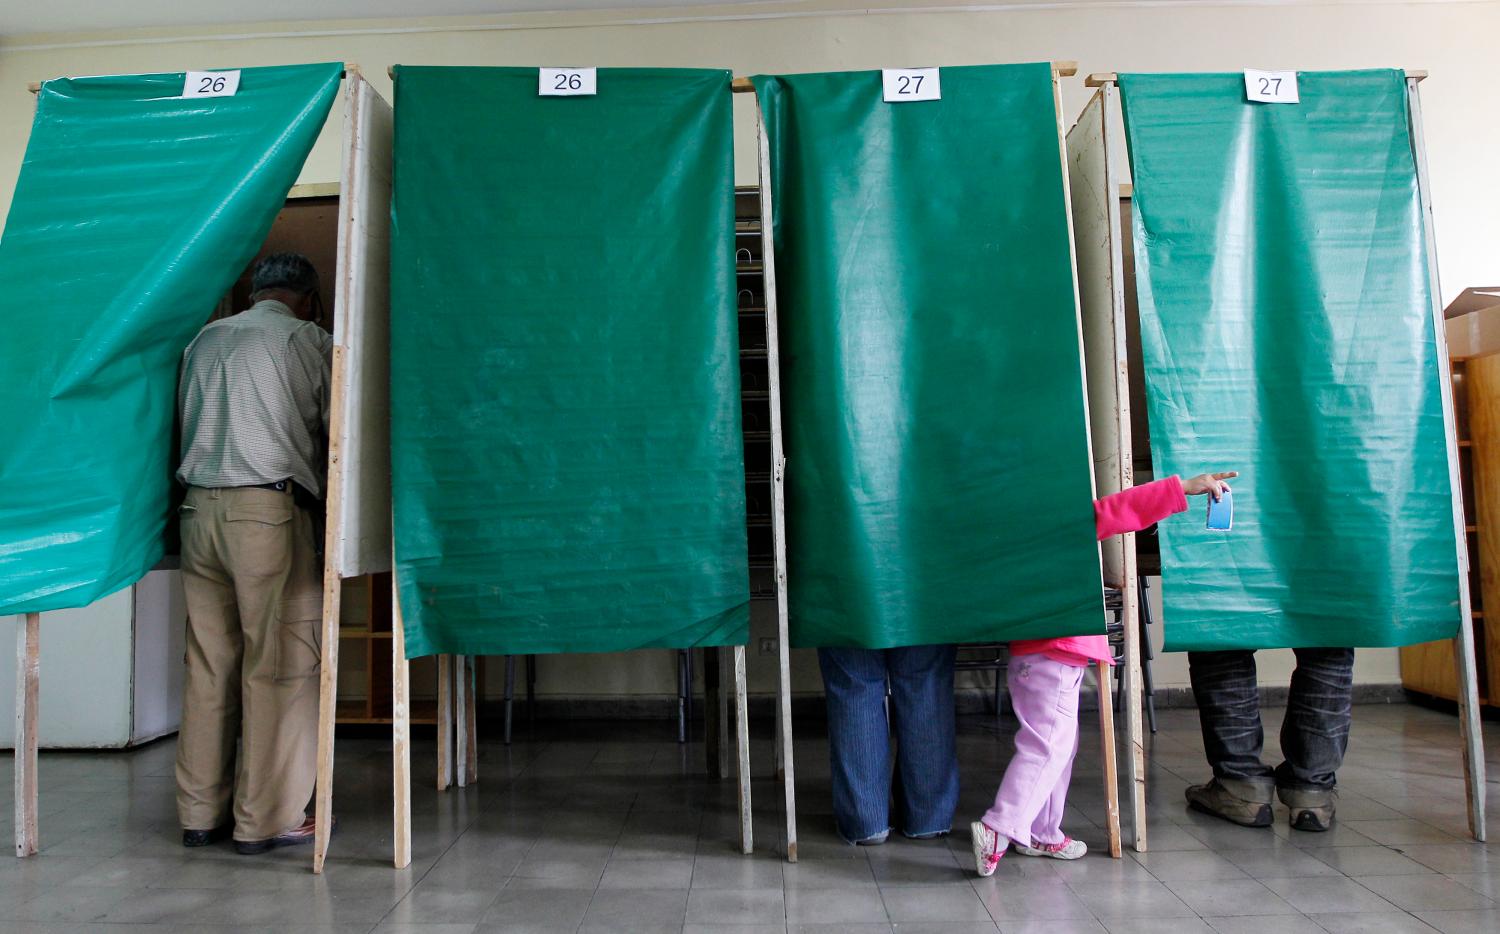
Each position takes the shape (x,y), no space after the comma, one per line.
(1270,86)
(909,84)
(210,84)
(568,82)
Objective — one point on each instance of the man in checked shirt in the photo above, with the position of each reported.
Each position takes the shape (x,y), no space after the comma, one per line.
(253,398)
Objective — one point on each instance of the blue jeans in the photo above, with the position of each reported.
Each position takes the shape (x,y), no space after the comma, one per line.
(859,739)
(1314,731)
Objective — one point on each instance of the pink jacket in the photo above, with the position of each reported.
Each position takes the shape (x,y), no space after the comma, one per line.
(1127,511)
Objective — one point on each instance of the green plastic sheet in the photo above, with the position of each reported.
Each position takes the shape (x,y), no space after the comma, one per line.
(567,460)
(938,472)
(1286,323)
(134,213)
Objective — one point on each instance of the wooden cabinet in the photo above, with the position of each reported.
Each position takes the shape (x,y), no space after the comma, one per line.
(1429,668)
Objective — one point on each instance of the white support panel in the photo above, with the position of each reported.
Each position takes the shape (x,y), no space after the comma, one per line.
(1098,244)
(742,747)
(778,493)
(1467,665)
(28,677)
(400,735)
(1106,727)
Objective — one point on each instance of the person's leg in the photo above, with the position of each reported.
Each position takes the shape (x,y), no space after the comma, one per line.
(1315,735)
(211,687)
(1044,698)
(922,707)
(859,746)
(1047,828)
(279,587)
(1228,699)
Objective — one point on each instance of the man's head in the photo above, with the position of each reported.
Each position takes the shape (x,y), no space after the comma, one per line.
(287,278)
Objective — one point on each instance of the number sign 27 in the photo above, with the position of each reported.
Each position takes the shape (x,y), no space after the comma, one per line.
(1271,87)
(567,82)
(911,84)
(211,84)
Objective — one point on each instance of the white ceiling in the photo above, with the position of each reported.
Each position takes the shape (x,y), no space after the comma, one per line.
(18,17)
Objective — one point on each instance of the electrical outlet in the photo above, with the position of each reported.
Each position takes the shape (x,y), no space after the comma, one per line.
(767,646)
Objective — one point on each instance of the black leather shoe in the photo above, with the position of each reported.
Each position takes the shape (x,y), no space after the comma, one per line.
(302,833)
(205,837)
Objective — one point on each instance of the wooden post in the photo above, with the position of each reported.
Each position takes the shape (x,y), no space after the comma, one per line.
(1468,686)
(471,720)
(444,722)
(28,679)
(461,720)
(400,730)
(778,494)
(1107,754)
(742,745)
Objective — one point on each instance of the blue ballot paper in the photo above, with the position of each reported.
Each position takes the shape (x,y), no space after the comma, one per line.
(1221,513)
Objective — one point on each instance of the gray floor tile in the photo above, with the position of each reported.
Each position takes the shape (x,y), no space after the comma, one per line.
(1369,861)
(957,902)
(746,906)
(828,873)
(1260,924)
(1398,922)
(636,910)
(1157,926)
(557,907)
(839,928)
(1127,900)
(1225,897)
(1072,926)
(1329,895)
(1189,865)
(721,928)
(1425,893)
(1463,922)
(859,905)
(647,874)
(1029,901)
(737,872)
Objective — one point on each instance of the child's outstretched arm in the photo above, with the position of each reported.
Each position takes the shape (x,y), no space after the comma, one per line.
(1138,507)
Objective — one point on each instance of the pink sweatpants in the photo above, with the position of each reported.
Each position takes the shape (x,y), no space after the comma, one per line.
(1029,804)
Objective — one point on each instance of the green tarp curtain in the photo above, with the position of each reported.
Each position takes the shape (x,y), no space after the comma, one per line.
(938,470)
(1287,331)
(567,461)
(135,211)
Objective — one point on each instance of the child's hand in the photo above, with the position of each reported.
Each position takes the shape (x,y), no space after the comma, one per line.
(1211,483)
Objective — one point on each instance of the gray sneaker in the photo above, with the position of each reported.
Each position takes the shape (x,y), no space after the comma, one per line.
(1312,809)
(1245,803)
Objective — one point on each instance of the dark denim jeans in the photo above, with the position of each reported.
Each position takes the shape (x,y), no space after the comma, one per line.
(1314,733)
(859,739)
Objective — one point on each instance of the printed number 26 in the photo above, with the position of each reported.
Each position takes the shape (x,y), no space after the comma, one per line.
(568,82)
(210,84)
(1271,86)
(909,84)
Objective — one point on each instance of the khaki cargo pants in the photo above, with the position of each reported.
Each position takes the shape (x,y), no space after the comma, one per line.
(254,602)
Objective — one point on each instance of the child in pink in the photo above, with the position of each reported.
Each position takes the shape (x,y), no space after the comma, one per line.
(1045,676)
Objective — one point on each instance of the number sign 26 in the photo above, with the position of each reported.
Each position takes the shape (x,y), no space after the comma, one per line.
(567,82)
(1271,87)
(910,84)
(211,84)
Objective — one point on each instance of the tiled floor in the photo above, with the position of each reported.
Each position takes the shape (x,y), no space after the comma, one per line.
(612,827)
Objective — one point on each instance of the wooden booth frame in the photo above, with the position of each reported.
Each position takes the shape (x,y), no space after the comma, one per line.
(785,768)
(1096,150)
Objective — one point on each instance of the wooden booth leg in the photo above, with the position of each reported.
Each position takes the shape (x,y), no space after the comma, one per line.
(471,720)
(444,722)
(1135,752)
(400,734)
(460,722)
(28,680)
(742,744)
(1469,726)
(328,681)
(1107,754)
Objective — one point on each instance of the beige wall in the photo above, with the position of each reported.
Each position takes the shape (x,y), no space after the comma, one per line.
(1453,40)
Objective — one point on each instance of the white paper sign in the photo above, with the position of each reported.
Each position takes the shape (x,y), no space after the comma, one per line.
(567,82)
(1271,87)
(211,83)
(911,84)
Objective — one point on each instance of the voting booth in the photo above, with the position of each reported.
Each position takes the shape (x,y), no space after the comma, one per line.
(931,431)
(1289,328)
(141,200)
(568,472)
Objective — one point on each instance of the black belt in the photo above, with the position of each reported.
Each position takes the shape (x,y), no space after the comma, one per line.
(280,486)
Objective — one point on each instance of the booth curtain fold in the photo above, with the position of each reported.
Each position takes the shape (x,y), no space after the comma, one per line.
(1287,329)
(134,213)
(938,471)
(567,461)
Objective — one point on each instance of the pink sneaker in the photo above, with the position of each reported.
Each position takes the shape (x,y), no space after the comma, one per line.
(1067,849)
(988,848)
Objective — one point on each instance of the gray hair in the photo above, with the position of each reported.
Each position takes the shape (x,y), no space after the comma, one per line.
(291,271)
